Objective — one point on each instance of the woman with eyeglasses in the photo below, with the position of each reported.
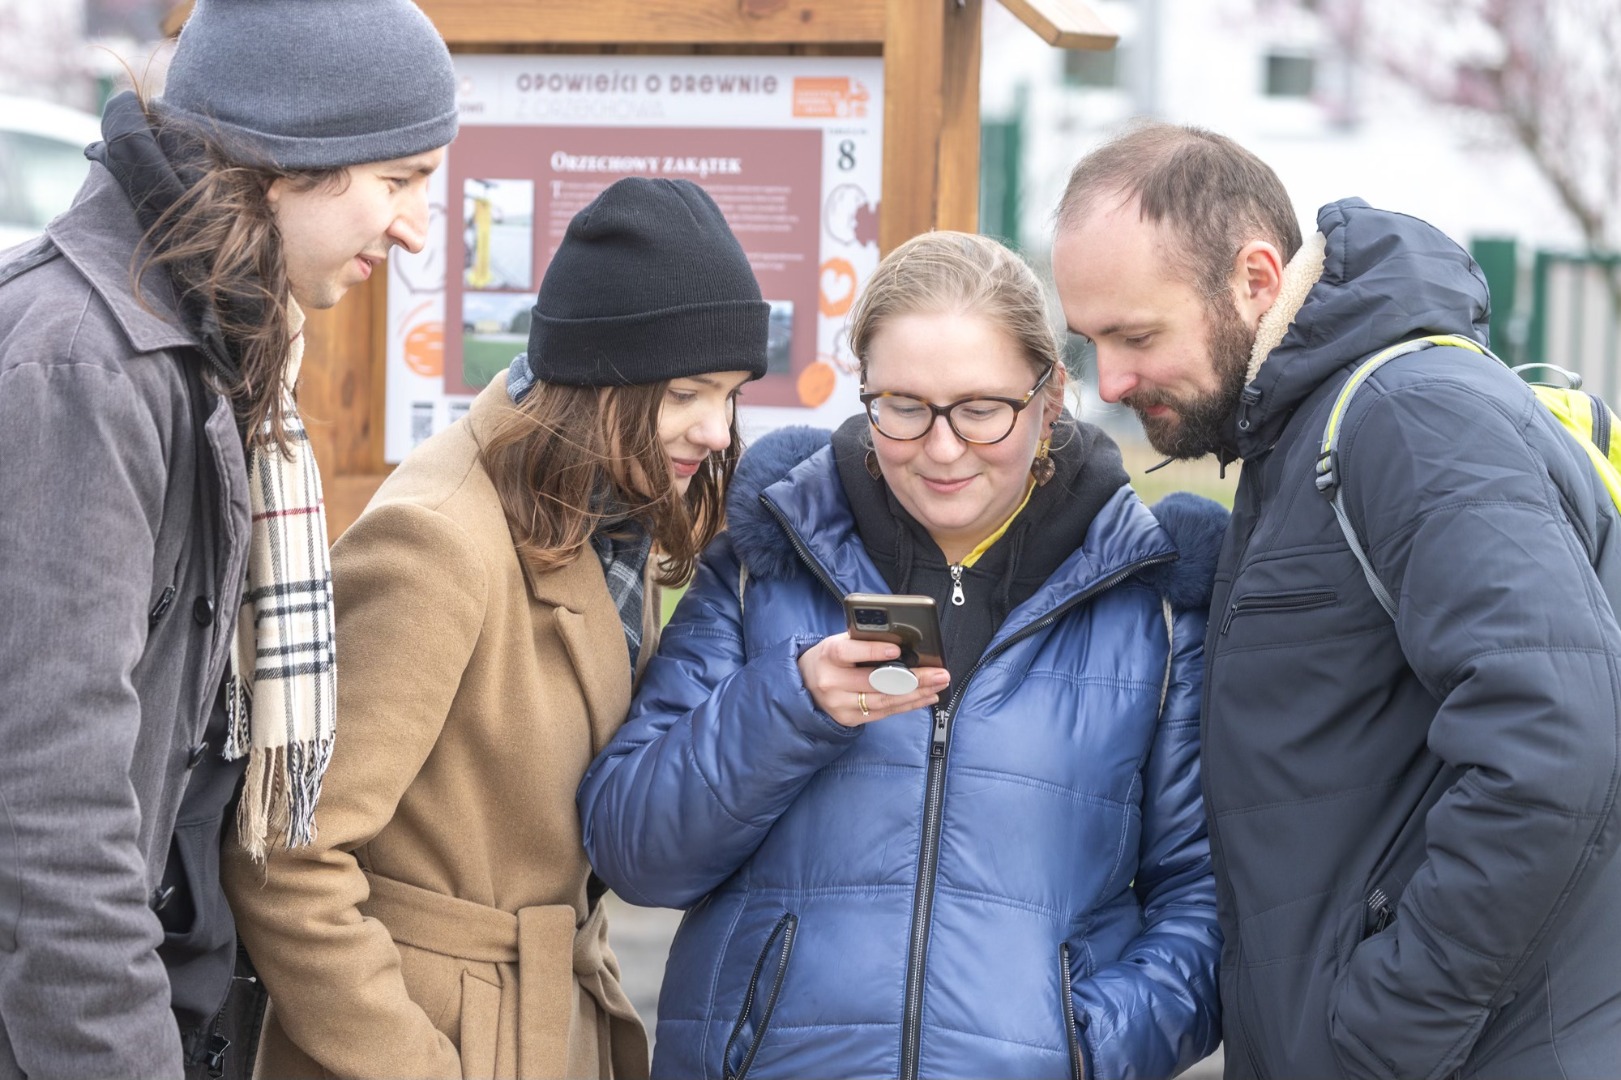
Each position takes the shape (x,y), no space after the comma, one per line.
(1002,872)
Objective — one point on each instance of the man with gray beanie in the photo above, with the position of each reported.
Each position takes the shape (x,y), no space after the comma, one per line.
(165,596)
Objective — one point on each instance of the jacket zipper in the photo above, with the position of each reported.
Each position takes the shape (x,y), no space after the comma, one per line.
(1273,602)
(1601,426)
(939,742)
(957,598)
(787,926)
(1077,1064)
(1214,838)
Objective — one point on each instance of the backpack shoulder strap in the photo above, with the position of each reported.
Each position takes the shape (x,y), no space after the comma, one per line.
(1329,480)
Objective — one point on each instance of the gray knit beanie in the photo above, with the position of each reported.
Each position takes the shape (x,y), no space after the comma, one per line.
(309,84)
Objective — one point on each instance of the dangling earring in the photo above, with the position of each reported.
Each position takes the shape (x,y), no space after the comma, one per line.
(871,461)
(1042,468)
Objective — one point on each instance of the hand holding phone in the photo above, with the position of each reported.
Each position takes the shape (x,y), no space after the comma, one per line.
(857,676)
(907,621)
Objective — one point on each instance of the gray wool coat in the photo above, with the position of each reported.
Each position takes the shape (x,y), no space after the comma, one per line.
(110,654)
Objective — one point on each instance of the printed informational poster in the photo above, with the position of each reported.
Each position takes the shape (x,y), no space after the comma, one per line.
(790,149)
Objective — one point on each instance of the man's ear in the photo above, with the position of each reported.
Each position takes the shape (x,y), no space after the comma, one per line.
(1257,279)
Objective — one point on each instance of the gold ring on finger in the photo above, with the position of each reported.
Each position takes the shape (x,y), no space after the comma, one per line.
(861,703)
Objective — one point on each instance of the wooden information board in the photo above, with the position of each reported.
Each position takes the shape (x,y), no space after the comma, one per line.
(930,173)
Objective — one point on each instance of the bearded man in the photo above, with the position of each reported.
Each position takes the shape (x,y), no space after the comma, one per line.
(1413,818)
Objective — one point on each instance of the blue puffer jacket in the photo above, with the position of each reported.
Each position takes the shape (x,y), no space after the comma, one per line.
(974,893)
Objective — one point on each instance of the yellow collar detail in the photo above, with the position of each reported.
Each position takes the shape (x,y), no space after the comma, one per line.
(985,545)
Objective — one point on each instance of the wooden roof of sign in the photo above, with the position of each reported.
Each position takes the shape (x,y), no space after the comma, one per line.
(1068,24)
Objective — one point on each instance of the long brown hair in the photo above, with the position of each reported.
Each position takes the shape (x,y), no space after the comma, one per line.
(221,247)
(565,457)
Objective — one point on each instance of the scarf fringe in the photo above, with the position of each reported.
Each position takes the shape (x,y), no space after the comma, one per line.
(279,796)
(238,711)
(281,698)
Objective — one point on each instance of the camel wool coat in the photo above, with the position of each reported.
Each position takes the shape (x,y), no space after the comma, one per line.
(439,925)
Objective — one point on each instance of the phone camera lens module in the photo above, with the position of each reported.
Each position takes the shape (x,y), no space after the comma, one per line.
(871,617)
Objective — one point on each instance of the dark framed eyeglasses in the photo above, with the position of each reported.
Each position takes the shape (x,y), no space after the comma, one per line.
(978,420)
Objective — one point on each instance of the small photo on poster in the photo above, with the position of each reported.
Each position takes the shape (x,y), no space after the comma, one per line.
(498,233)
(779,337)
(495,329)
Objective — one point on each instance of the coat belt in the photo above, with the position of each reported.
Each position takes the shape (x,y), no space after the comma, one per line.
(531,939)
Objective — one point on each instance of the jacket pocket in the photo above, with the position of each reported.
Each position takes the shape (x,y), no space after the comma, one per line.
(747,1034)
(1072,1025)
(1400,861)
(480,1027)
(1257,603)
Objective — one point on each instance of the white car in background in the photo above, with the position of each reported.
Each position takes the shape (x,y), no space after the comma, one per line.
(42,163)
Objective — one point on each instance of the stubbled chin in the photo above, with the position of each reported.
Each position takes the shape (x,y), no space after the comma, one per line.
(1161,428)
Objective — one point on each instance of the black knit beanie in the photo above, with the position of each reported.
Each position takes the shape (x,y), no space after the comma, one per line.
(648,284)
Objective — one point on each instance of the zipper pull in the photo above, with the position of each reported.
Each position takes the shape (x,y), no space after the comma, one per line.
(1232,609)
(1246,401)
(957,598)
(942,724)
(1381,912)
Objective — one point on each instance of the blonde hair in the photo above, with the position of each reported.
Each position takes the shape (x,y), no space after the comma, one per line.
(958,273)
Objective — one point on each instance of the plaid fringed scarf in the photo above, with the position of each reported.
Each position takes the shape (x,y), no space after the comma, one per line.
(622,547)
(281,699)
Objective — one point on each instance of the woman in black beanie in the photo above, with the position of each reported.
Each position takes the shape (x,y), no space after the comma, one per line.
(495,603)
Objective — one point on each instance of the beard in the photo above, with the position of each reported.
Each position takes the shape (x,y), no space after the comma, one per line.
(1197,424)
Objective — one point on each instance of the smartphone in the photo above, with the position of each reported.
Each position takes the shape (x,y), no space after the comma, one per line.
(904,620)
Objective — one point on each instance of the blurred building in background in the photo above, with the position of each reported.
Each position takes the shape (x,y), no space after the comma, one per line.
(1491,121)
(1497,122)
(59,63)
(79,53)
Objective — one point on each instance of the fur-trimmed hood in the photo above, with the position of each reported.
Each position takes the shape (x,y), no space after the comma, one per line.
(1193,525)
(1368,279)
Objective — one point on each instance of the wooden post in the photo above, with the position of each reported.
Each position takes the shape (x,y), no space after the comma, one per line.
(931,118)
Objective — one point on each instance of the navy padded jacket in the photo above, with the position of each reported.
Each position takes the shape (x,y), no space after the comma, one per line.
(1071,849)
(1414,822)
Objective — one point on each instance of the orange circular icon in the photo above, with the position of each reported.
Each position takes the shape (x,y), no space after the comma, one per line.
(815,384)
(837,285)
(425,349)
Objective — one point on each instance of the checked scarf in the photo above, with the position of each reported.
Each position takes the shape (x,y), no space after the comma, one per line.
(622,547)
(281,699)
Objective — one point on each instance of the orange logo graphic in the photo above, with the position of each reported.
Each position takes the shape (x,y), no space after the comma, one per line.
(425,349)
(837,284)
(825,99)
(815,384)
